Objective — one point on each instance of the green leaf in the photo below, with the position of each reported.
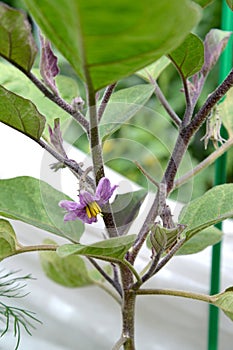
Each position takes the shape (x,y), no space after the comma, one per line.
(201,240)
(154,70)
(36,203)
(69,271)
(107,40)
(112,249)
(230,4)
(225,111)
(16,41)
(189,56)
(213,207)
(126,207)
(122,106)
(203,3)
(224,301)
(21,114)
(17,82)
(8,240)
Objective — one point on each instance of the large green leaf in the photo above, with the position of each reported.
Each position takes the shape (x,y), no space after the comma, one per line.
(17,82)
(20,114)
(225,112)
(7,239)
(126,207)
(36,203)
(189,56)
(201,240)
(154,70)
(106,40)
(112,249)
(123,105)
(214,206)
(16,41)
(224,301)
(69,271)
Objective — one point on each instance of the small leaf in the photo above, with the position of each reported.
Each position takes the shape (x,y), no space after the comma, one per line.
(36,203)
(230,4)
(123,105)
(154,70)
(16,41)
(162,238)
(8,240)
(201,240)
(21,114)
(112,249)
(69,271)
(225,111)
(105,41)
(213,207)
(189,56)
(224,301)
(215,42)
(125,208)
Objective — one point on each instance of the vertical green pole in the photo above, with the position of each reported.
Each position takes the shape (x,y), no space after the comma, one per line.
(220,177)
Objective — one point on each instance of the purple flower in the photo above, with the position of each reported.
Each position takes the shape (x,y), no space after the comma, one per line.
(89,205)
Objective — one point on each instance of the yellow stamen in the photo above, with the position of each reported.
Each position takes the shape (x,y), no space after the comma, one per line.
(92,210)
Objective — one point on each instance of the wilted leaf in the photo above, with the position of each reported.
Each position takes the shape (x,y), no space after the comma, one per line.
(105,41)
(189,56)
(69,271)
(36,203)
(201,240)
(111,249)
(125,208)
(7,239)
(16,41)
(20,114)
(213,207)
(154,70)
(215,42)
(123,105)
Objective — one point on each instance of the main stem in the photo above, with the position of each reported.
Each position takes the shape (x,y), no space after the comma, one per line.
(128,309)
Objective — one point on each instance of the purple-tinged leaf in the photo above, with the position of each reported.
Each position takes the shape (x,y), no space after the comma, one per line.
(215,42)
(48,65)
(56,137)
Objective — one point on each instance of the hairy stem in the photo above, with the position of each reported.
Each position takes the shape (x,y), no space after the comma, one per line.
(105,99)
(176,293)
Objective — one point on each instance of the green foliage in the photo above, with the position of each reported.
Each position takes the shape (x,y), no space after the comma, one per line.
(123,105)
(154,70)
(125,208)
(230,4)
(203,3)
(69,271)
(99,49)
(11,287)
(201,240)
(113,249)
(189,56)
(224,301)
(213,207)
(36,203)
(21,114)
(16,41)
(17,82)
(7,239)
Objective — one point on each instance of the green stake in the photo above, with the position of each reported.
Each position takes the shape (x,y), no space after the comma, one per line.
(220,178)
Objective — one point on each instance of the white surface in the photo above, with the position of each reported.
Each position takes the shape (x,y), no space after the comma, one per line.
(77,319)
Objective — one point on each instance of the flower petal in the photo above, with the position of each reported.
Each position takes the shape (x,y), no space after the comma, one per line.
(69,205)
(86,198)
(104,190)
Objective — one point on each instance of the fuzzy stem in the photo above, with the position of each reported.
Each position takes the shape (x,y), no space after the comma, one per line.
(105,99)
(176,293)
